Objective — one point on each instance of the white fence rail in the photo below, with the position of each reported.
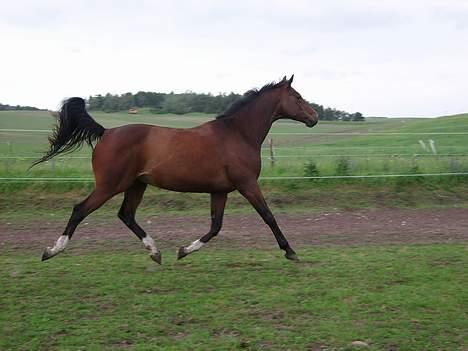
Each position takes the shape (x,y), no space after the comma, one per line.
(290,133)
(266,157)
(19,157)
(88,179)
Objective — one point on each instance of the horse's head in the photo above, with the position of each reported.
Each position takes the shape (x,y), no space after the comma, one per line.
(293,106)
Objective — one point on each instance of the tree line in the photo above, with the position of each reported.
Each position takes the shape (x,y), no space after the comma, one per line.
(17,108)
(192,102)
(332,114)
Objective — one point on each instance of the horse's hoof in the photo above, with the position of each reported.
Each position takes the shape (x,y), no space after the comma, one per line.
(47,254)
(291,256)
(156,257)
(181,253)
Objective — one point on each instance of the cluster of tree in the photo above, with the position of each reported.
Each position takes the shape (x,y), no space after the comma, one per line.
(163,103)
(192,102)
(17,108)
(331,114)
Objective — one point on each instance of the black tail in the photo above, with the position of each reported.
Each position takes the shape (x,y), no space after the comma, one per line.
(74,127)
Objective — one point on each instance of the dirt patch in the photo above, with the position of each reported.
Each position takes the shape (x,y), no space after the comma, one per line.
(349,228)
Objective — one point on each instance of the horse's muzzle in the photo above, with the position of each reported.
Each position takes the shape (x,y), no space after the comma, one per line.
(310,123)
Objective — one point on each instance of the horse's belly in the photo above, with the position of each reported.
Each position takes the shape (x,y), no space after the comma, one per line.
(188,180)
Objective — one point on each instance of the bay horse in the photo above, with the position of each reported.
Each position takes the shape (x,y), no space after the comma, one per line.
(216,157)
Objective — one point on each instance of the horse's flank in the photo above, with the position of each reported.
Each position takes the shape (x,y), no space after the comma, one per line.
(186,160)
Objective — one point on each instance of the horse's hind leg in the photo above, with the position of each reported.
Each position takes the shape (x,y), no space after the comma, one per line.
(132,199)
(95,200)
(218,203)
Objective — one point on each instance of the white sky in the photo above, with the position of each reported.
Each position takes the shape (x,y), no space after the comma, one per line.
(382,58)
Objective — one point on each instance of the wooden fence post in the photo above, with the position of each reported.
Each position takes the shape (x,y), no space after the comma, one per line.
(272,152)
(9,159)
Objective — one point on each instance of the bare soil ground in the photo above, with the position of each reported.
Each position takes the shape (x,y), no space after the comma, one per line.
(350,228)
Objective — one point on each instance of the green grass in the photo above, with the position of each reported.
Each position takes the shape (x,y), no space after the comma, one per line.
(362,155)
(284,197)
(392,297)
(405,298)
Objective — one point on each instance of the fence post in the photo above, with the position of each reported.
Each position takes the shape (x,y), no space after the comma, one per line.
(423,145)
(272,152)
(433,147)
(8,160)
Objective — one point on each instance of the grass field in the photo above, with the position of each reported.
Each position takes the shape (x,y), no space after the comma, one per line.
(336,154)
(310,154)
(392,298)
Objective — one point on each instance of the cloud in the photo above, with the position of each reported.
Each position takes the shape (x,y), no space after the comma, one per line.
(381,58)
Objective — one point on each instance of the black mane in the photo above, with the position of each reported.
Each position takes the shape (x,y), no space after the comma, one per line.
(247,98)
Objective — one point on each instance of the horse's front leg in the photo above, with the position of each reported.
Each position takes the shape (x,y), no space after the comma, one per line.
(218,203)
(251,191)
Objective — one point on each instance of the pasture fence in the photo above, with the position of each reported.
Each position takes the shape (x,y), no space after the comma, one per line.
(451,160)
(289,133)
(89,179)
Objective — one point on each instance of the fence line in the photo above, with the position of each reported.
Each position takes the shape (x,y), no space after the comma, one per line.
(294,133)
(359,147)
(89,179)
(367,155)
(368,176)
(264,156)
(45,179)
(26,130)
(39,156)
(369,133)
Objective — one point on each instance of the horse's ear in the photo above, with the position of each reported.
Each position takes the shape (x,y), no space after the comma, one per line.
(290,80)
(284,79)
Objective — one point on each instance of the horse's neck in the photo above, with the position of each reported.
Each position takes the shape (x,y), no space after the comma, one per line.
(255,120)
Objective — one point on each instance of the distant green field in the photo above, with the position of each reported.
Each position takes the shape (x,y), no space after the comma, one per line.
(330,154)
